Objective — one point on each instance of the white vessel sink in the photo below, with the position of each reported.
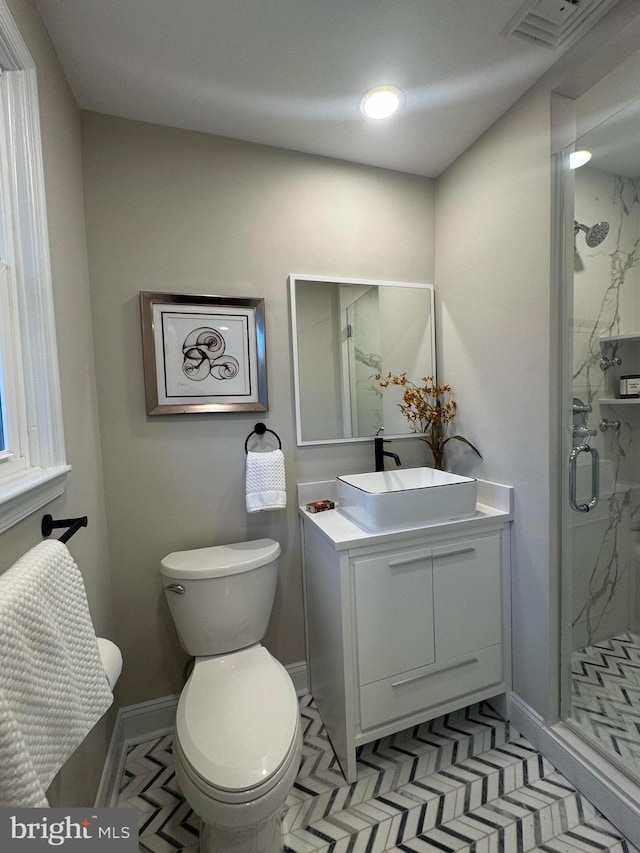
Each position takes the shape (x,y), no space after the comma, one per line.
(408,497)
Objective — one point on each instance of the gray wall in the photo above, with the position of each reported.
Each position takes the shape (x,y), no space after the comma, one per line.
(77,782)
(493,289)
(319,361)
(177,211)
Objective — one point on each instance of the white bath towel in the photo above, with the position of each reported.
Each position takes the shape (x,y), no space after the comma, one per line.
(53,688)
(266,482)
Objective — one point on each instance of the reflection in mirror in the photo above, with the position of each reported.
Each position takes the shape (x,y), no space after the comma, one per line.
(344,332)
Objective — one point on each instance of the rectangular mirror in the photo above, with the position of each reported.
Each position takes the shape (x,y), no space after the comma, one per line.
(344,332)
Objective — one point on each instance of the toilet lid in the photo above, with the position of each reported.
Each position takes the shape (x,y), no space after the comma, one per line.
(219,560)
(237,718)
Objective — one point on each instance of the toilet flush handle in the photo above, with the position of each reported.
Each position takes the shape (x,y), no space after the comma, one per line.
(175,587)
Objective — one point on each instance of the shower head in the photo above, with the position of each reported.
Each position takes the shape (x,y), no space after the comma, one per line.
(594,235)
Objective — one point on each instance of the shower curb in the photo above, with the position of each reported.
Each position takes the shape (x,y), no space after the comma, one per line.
(610,790)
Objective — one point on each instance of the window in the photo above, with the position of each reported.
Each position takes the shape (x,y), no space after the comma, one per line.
(32,459)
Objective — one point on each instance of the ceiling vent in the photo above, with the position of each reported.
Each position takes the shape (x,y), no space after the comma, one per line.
(556,23)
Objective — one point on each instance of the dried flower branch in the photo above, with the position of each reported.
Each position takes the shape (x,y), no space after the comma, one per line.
(428,409)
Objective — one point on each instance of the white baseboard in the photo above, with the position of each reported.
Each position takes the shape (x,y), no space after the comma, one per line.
(609,789)
(113,768)
(146,720)
(299,676)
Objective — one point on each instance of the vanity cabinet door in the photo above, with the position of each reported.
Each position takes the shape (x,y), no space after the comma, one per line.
(410,660)
(468,596)
(394,613)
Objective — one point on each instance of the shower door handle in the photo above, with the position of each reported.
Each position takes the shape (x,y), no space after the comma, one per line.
(573,478)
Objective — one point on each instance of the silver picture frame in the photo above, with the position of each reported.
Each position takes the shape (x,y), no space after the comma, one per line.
(203,353)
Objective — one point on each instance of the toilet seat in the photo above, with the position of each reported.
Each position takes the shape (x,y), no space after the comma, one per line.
(237,725)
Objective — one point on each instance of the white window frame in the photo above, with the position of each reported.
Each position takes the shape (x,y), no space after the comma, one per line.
(33,471)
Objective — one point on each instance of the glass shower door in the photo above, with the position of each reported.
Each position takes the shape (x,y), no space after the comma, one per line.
(600,639)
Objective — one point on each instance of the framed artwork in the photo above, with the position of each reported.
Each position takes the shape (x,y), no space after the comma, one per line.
(203,353)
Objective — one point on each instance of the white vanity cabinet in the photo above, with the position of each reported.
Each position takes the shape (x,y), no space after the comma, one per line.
(428,626)
(405,626)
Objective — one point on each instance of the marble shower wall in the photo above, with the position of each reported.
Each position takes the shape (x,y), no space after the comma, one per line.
(607,302)
(606,278)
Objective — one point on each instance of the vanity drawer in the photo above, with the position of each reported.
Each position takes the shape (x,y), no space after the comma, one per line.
(420,689)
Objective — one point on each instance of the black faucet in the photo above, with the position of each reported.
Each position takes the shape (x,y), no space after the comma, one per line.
(380,452)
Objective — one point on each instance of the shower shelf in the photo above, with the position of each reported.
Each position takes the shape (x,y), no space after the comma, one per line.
(632,338)
(613,339)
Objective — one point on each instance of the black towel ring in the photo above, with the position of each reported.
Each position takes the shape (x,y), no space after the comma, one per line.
(260,429)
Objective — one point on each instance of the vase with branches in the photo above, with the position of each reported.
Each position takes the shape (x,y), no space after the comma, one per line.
(429,410)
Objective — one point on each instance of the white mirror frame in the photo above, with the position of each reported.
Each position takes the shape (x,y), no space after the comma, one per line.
(295,278)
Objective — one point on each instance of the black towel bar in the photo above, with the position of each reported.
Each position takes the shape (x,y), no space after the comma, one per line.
(260,429)
(74,524)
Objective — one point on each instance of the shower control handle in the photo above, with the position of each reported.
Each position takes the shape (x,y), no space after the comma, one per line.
(606,363)
(175,587)
(573,478)
(606,424)
(583,432)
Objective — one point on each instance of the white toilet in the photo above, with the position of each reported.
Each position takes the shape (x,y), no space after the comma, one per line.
(238,735)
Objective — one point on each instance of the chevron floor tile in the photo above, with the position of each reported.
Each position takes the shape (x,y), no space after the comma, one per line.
(605,696)
(464,782)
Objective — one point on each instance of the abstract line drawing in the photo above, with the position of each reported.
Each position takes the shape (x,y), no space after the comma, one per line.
(203,353)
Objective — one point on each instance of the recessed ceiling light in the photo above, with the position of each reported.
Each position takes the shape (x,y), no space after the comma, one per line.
(579,158)
(381,102)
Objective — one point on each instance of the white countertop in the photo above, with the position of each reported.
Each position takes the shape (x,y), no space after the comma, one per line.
(495,503)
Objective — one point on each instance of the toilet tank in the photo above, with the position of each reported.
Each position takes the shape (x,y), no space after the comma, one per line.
(221,597)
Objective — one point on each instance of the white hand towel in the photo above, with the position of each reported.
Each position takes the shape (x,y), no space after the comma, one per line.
(53,688)
(266,482)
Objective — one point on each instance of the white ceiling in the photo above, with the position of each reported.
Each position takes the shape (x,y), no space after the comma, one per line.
(291,73)
(615,144)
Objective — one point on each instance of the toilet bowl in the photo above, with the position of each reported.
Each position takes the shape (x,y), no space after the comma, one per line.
(238,736)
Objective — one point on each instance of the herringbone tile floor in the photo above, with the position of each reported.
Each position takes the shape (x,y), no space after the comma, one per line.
(605,696)
(465,782)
